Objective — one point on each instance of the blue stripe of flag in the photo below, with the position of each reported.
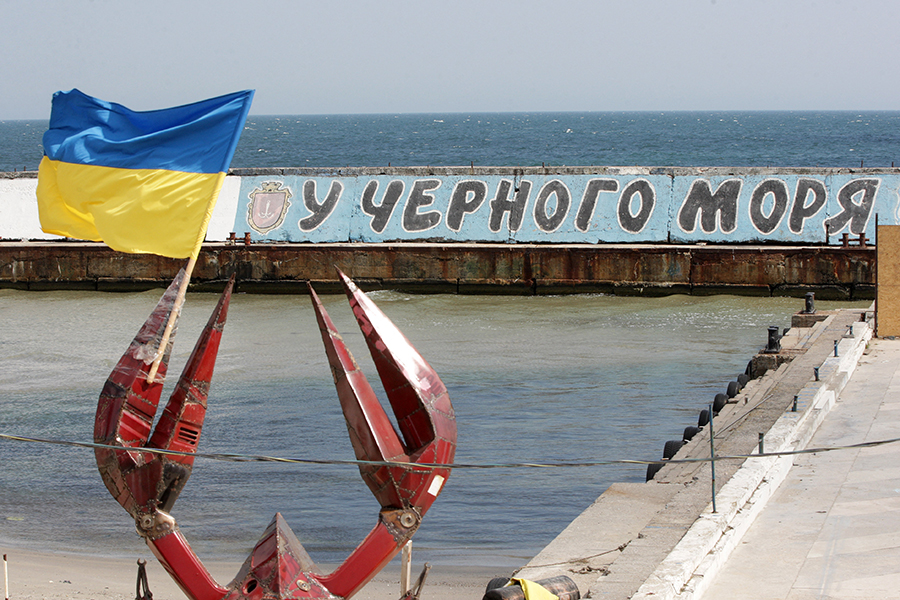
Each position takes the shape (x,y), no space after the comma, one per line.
(193,138)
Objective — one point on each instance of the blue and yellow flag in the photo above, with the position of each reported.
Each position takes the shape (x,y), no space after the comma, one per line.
(142,182)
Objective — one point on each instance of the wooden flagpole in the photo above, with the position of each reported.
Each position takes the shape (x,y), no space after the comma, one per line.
(182,289)
(173,316)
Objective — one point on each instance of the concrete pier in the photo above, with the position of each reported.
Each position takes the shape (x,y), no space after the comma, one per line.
(831,529)
(662,539)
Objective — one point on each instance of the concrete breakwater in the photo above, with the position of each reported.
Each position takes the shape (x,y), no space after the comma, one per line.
(529,205)
(833,272)
(532,230)
(663,538)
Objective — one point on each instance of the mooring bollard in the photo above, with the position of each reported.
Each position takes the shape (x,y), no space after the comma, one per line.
(816,371)
(794,407)
(773,346)
(810,307)
(835,348)
(762,449)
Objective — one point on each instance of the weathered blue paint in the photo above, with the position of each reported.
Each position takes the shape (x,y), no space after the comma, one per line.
(751,205)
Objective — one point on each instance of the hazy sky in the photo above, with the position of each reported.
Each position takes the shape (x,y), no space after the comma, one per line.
(388,56)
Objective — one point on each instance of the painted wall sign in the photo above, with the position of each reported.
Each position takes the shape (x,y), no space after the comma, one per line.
(755,206)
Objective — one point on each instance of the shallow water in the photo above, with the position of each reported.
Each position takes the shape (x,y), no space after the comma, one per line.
(532,379)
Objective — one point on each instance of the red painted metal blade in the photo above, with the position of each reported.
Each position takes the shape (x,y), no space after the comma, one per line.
(420,402)
(181,422)
(416,393)
(127,406)
(371,432)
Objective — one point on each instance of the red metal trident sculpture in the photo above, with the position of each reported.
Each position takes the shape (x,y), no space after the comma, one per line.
(147,484)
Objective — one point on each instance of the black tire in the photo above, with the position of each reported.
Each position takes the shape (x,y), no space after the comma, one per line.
(496,582)
(719,403)
(689,432)
(703,420)
(733,388)
(749,370)
(671,448)
(743,379)
(653,469)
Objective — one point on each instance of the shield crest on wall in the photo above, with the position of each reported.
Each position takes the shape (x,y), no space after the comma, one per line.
(268,206)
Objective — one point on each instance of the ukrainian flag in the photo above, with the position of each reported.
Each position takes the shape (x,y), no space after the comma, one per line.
(141,182)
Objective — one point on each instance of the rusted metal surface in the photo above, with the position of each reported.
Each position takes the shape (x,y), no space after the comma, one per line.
(141,481)
(147,484)
(831,271)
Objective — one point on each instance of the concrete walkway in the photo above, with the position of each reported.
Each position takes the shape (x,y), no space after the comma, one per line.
(832,529)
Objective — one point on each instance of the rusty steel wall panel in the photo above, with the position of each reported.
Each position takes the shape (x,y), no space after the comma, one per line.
(458,268)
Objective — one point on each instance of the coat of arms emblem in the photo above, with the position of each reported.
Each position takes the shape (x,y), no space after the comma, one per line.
(268,206)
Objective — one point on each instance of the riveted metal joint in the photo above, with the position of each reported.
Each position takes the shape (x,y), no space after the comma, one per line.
(154,525)
(402,523)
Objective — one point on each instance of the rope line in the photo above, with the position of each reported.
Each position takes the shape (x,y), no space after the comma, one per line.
(572,561)
(231,457)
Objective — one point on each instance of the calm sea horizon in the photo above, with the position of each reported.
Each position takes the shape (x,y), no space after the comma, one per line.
(679,138)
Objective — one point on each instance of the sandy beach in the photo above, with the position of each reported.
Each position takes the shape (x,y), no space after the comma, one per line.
(51,576)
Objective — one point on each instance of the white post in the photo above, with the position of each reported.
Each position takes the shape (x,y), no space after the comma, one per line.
(405,566)
(5,579)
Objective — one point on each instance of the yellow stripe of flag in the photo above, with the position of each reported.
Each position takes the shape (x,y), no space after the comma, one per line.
(128,208)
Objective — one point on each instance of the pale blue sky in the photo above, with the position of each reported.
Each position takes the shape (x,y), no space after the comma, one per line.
(390,56)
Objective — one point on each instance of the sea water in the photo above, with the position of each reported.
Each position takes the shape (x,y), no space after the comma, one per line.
(532,379)
(705,139)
